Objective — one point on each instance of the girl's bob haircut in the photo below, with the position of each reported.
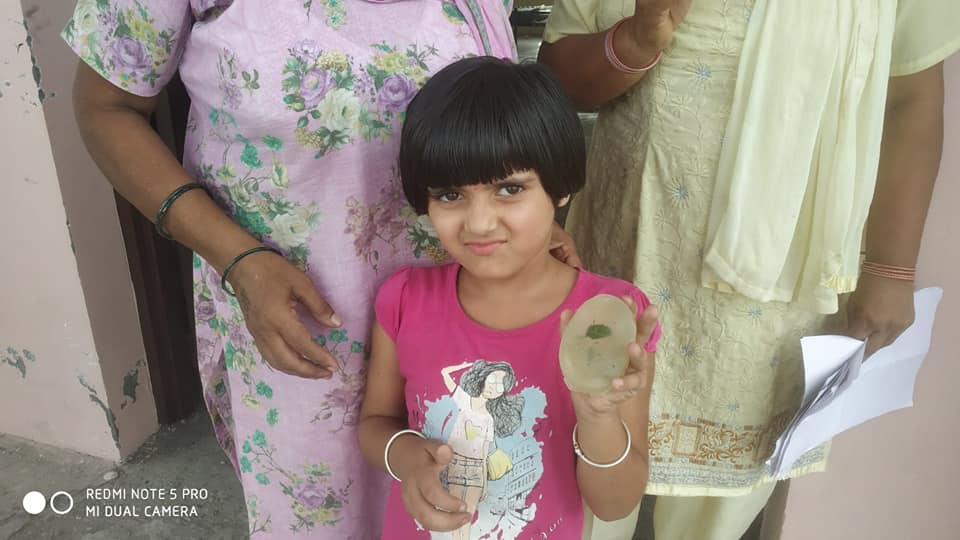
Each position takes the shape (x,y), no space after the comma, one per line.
(482,119)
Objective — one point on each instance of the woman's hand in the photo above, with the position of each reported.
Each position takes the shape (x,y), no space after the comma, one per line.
(639,375)
(879,311)
(563,248)
(269,288)
(654,22)
(424,497)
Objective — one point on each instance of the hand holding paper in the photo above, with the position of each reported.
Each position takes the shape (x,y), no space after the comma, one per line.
(840,393)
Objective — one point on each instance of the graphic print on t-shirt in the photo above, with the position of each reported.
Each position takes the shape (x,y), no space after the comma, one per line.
(497,459)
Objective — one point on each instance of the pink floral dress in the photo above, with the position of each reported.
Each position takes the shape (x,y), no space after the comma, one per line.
(294,128)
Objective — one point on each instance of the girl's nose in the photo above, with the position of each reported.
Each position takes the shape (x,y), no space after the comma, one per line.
(482,217)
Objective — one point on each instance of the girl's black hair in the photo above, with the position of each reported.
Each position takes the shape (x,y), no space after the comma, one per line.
(482,119)
(506,410)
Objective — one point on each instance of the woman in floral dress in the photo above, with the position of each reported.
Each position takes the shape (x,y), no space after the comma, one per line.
(295,110)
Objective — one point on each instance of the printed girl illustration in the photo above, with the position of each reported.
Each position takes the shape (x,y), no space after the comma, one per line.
(484,411)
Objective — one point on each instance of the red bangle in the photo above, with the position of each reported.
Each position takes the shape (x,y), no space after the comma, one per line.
(618,64)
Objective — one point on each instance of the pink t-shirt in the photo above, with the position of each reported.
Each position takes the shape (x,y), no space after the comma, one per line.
(497,397)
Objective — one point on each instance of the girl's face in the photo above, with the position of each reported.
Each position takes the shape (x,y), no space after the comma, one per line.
(494,230)
(493,386)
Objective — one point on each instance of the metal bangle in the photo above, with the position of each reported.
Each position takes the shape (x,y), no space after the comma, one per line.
(386,449)
(579,452)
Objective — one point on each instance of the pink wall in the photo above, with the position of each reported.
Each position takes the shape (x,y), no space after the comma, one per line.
(897,477)
(65,291)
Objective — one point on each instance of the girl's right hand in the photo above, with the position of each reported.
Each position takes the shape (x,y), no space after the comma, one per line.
(424,497)
(638,377)
(654,22)
(268,289)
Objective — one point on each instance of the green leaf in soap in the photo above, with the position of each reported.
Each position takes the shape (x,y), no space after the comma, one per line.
(598,331)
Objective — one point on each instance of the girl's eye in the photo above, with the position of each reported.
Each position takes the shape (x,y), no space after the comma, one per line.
(447,196)
(509,190)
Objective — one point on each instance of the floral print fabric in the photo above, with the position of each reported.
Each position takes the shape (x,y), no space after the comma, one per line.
(294,122)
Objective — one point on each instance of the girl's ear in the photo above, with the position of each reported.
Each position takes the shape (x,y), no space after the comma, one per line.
(563,202)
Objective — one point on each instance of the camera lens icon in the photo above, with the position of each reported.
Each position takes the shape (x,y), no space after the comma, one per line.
(35,502)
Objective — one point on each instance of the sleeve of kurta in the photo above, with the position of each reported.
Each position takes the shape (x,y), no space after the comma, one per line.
(135,44)
(571,17)
(927,32)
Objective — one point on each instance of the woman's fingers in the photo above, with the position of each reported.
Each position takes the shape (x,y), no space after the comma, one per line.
(877,341)
(269,288)
(282,357)
(306,293)
(296,335)
(563,248)
(566,255)
(292,350)
(292,358)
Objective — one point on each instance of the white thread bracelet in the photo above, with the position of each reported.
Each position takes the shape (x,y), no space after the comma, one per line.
(577,450)
(386,449)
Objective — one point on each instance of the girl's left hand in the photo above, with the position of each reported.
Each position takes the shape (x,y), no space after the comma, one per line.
(562,247)
(639,375)
(879,311)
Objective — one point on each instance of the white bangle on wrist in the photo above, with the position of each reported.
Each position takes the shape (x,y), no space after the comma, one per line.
(579,452)
(386,449)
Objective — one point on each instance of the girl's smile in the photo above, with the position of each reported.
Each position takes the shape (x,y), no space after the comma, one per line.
(482,249)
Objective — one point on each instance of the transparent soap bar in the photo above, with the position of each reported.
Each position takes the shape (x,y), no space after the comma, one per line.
(593,347)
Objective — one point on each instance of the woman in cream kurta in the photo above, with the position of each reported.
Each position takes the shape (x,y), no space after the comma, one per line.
(729,374)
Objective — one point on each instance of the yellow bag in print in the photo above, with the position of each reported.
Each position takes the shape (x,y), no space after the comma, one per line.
(498,464)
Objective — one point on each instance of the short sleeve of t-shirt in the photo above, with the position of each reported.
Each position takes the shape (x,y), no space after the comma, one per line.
(926,33)
(135,44)
(388,306)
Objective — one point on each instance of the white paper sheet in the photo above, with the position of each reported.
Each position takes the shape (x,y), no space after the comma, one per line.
(840,393)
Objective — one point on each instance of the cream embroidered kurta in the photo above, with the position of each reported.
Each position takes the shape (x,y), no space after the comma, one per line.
(728,369)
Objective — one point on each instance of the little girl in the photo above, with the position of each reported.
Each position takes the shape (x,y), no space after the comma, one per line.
(465,404)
